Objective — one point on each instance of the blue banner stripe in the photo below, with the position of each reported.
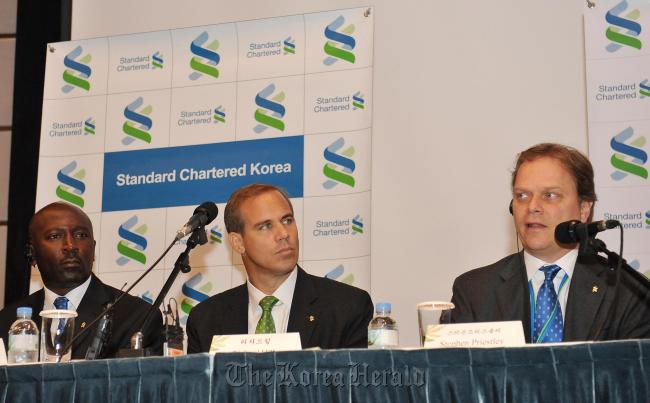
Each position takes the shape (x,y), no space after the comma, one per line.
(190,175)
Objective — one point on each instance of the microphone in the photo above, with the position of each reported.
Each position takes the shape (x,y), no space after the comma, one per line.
(575,231)
(96,348)
(203,215)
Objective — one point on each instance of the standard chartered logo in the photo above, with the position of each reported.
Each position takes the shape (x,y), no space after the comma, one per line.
(647,219)
(147,296)
(289,46)
(629,158)
(340,43)
(90,125)
(138,122)
(338,272)
(70,186)
(270,111)
(194,291)
(219,114)
(77,70)
(358,101)
(133,242)
(357,225)
(644,88)
(216,235)
(623,29)
(339,166)
(205,58)
(157,61)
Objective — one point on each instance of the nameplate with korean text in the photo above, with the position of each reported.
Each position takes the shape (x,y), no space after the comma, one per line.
(255,343)
(475,335)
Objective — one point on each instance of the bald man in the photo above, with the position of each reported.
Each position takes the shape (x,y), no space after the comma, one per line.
(62,247)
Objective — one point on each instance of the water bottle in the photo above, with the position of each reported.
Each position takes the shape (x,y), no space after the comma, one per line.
(382,331)
(23,338)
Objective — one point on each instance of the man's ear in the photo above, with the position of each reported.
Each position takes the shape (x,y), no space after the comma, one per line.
(237,242)
(585,210)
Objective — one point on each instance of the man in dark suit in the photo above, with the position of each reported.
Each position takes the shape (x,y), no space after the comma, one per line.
(62,247)
(279,296)
(558,294)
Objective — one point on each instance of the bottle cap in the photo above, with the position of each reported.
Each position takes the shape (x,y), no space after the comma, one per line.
(25,311)
(383,307)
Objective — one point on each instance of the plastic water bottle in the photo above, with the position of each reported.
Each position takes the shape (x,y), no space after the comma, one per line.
(382,331)
(23,338)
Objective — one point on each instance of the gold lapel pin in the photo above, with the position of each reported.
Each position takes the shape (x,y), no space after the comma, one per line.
(311,318)
(594,289)
(83,324)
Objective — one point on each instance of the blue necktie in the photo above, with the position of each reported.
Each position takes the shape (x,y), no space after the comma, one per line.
(549,327)
(61,303)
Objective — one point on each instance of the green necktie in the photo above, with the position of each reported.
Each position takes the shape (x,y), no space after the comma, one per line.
(266,324)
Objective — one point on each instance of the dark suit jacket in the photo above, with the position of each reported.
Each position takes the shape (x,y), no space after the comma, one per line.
(128,315)
(499,292)
(341,315)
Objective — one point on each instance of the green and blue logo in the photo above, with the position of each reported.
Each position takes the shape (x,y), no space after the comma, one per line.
(270,111)
(205,58)
(71,186)
(357,225)
(629,158)
(358,101)
(78,71)
(623,30)
(644,88)
(647,219)
(157,61)
(148,297)
(216,235)
(132,243)
(340,165)
(219,114)
(90,125)
(338,272)
(138,122)
(289,46)
(195,290)
(340,42)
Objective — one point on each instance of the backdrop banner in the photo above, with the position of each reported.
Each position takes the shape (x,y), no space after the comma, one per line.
(618,102)
(139,129)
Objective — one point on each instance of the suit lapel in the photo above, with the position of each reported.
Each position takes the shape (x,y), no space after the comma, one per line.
(305,312)
(90,306)
(512,298)
(236,320)
(586,295)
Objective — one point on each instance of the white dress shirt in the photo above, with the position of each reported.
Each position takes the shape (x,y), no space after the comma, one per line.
(74,296)
(536,277)
(280,310)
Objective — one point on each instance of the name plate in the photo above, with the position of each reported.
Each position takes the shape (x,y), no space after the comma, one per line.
(475,335)
(255,343)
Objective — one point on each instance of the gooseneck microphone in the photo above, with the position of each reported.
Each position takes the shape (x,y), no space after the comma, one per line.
(575,231)
(203,215)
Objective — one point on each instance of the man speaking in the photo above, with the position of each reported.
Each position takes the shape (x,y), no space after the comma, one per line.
(279,296)
(558,294)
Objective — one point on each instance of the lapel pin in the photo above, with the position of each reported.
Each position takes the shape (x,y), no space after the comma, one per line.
(311,318)
(594,289)
(83,324)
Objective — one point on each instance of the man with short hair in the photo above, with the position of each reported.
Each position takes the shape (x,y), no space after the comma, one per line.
(62,247)
(279,296)
(558,294)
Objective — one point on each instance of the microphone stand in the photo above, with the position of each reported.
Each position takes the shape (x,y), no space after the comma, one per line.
(182,264)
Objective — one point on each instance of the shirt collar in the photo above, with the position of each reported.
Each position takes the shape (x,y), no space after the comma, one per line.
(284,293)
(566,262)
(74,296)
